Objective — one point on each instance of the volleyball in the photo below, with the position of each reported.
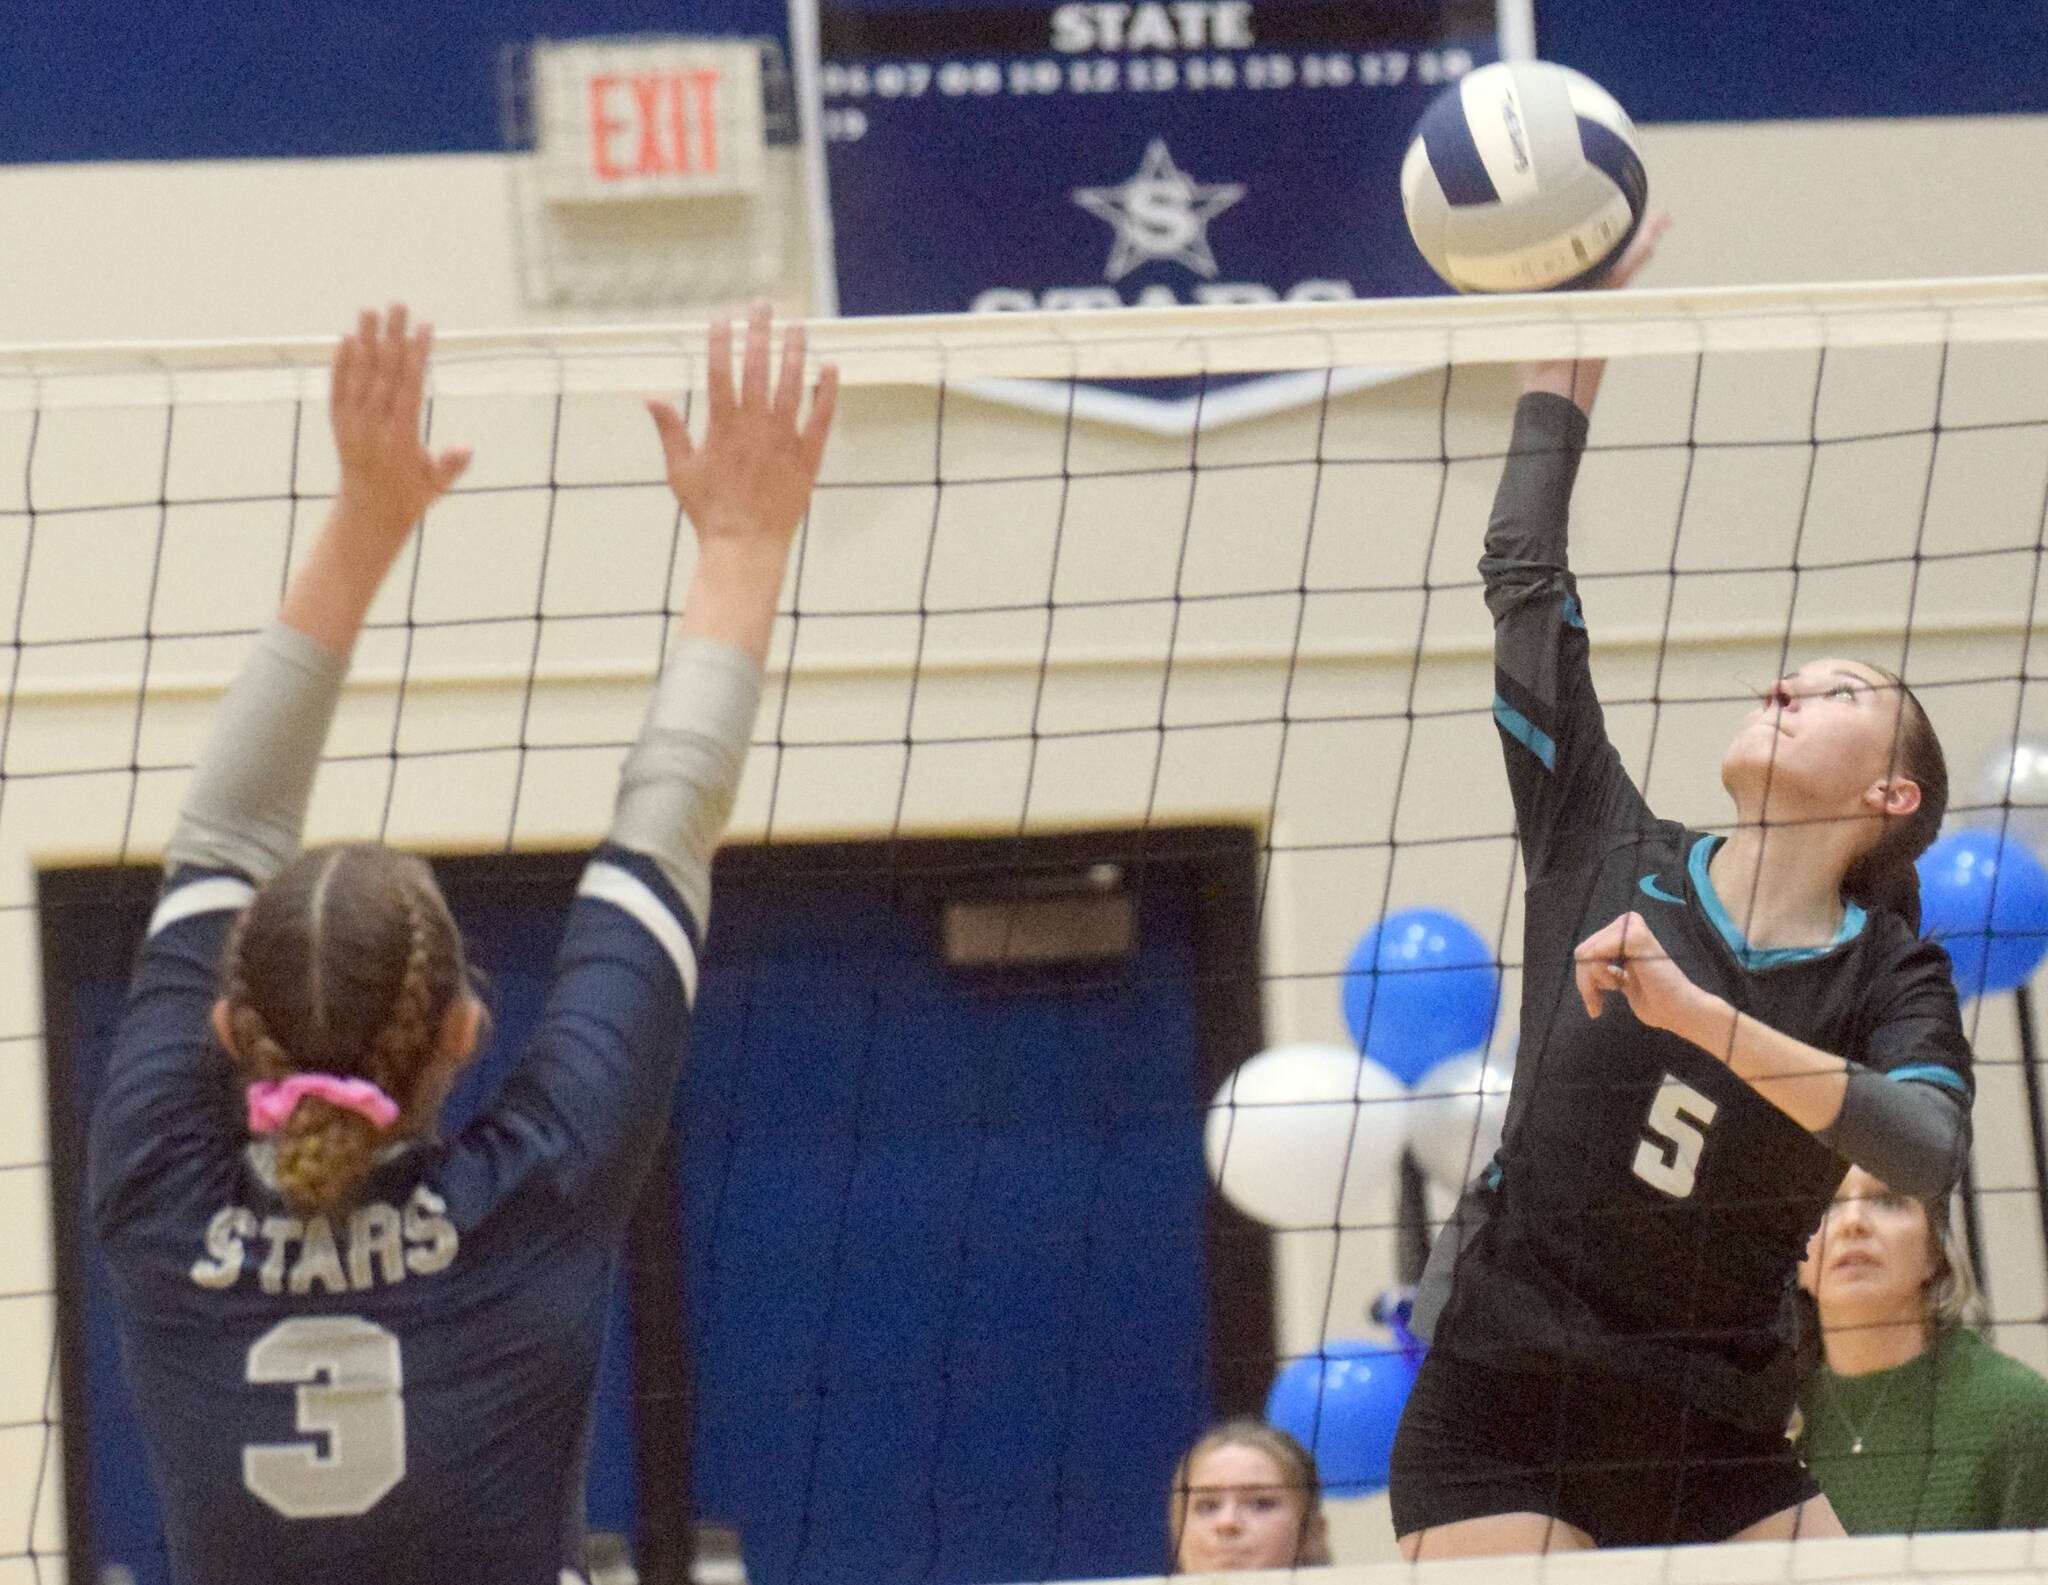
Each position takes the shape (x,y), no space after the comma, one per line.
(1523,176)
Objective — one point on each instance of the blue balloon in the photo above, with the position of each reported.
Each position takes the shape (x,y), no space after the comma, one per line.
(1985,898)
(1421,986)
(1343,1405)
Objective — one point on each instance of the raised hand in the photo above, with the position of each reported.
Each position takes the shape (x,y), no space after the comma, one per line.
(1626,958)
(388,477)
(750,479)
(1579,378)
(1642,247)
(747,484)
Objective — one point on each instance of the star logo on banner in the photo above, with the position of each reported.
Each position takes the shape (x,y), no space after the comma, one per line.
(1160,213)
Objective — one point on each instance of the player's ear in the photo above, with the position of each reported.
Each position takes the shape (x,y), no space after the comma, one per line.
(460,1027)
(221,1027)
(1896,795)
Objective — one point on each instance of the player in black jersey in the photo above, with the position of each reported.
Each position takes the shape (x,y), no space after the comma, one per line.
(1712,1030)
(360,1352)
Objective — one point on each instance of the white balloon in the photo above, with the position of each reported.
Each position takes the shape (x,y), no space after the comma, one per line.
(1307,1136)
(1455,1113)
(2015,775)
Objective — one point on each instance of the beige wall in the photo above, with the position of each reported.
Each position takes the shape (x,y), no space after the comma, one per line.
(261,249)
(258,248)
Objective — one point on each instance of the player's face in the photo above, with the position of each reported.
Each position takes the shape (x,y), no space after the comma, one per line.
(1821,739)
(1241,1513)
(1872,1257)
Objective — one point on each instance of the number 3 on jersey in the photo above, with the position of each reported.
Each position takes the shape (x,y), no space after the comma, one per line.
(359,1409)
(1678,1120)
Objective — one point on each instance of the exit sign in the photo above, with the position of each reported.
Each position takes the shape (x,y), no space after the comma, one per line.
(648,118)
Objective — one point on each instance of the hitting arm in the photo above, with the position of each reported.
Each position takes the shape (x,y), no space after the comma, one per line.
(745,489)
(248,801)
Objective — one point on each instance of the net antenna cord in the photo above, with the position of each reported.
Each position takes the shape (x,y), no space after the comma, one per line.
(810,120)
(1516,29)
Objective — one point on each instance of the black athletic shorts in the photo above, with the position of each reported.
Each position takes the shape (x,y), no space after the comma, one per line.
(1626,1462)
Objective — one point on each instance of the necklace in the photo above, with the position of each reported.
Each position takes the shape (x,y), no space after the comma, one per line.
(1827,1381)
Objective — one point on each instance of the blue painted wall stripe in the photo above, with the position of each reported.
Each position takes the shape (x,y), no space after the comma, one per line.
(1758,60)
(131,80)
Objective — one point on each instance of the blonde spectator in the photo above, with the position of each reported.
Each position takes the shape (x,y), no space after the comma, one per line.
(1914,1422)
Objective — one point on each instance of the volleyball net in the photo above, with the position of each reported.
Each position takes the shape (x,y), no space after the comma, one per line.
(1049,654)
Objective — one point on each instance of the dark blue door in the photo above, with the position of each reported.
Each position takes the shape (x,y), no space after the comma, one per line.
(947,1243)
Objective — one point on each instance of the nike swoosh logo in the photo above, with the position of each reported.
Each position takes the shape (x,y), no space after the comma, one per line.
(1652,889)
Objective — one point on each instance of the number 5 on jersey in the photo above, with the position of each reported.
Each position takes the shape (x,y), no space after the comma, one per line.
(1670,1158)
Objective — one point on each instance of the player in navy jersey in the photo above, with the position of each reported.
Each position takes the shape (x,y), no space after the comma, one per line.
(360,1352)
(1713,1028)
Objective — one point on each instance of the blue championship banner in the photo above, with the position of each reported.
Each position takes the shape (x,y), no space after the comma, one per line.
(1086,155)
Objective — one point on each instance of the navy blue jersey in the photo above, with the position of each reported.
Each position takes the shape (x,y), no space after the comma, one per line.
(1648,1209)
(402,1392)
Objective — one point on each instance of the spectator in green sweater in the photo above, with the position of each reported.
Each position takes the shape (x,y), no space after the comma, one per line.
(1913,1422)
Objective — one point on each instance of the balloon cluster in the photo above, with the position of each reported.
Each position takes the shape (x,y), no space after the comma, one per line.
(1309,1136)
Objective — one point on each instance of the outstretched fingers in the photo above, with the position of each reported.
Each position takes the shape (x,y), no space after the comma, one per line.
(371,369)
(756,457)
(754,365)
(718,371)
(377,389)
(344,374)
(446,465)
(413,353)
(673,430)
(824,399)
(789,384)
(449,465)
(354,371)
(1641,249)
(389,365)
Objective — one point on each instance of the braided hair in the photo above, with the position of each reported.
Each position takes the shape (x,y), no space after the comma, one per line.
(347,963)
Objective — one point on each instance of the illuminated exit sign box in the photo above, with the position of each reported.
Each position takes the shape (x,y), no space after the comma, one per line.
(648,118)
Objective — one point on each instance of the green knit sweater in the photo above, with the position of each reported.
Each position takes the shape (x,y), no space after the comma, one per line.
(1955,1439)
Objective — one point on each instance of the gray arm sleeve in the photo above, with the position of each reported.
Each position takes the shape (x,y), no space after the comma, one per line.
(1914,1136)
(678,785)
(247,806)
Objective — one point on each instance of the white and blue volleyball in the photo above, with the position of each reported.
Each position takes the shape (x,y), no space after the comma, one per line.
(1523,176)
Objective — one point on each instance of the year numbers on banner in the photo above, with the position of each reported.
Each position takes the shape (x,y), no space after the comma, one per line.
(1103,74)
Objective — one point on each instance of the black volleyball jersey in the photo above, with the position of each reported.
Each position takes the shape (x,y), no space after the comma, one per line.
(1647,1210)
(400,1392)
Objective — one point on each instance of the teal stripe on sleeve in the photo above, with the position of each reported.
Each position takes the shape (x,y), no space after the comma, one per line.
(1929,1073)
(1525,732)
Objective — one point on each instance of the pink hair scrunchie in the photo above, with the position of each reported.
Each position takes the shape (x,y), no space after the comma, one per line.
(271,1103)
